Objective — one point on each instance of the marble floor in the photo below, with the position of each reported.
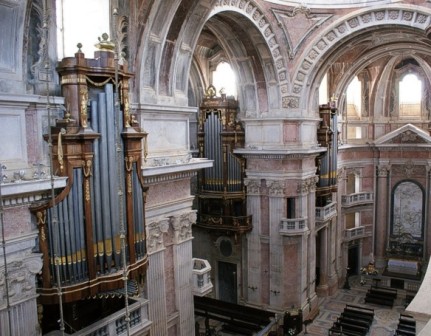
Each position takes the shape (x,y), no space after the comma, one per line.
(385,319)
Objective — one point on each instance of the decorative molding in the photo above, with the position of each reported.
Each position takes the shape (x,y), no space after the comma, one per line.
(168,177)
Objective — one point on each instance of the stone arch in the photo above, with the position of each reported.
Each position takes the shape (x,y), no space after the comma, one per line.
(308,75)
(172,77)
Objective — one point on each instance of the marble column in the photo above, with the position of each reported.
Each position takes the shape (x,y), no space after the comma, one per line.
(381,224)
(183,269)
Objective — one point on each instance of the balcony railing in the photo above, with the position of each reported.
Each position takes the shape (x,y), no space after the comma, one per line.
(232,223)
(357,198)
(354,233)
(327,212)
(202,284)
(116,323)
(293,226)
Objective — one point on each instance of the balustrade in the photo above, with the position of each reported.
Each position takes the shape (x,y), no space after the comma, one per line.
(202,284)
(357,198)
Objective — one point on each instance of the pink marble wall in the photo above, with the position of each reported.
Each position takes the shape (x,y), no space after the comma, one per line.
(17,222)
(291,273)
(169,279)
(165,192)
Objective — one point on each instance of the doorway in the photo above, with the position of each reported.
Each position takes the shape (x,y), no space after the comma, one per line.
(227,290)
(353,260)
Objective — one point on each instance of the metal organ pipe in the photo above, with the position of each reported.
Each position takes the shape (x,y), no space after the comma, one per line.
(104,180)
(97,198)
(113,172)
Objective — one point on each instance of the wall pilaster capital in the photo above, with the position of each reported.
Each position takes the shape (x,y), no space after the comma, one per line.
(383,170)
(253,186)
(276,187)
(182,226)
(155,231)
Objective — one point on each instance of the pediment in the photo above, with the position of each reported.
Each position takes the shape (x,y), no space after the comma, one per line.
(407,134)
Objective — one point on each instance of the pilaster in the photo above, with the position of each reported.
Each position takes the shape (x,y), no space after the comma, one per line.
(183,268)
(156,276)
(382,194)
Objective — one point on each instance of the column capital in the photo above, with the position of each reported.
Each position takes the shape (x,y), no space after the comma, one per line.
(253,186)
(182,226)
(155,230)
(383,170)
(276,187)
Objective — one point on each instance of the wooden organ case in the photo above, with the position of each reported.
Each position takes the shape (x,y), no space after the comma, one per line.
(221,191)
(327,136)
(84,229)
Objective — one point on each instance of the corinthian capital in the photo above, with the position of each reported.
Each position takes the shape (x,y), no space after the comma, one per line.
(276,188)
(253,186)
(182,226)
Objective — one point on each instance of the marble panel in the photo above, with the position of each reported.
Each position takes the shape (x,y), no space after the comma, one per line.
(12,126)
(167,136)
(10,28)
(264,134)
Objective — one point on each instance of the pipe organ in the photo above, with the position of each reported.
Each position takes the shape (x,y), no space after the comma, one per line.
(327,136)
(221,192)
(92,233)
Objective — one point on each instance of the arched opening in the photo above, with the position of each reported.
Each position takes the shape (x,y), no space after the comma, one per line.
(410,96)
(224,79)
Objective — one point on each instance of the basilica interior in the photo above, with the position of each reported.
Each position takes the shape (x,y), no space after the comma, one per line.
(167,166)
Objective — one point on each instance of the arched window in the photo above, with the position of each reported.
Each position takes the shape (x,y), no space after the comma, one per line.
(410,97)
(93,22)
(224,79)
(323,91)
(354,99)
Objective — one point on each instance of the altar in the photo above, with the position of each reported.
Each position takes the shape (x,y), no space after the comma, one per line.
(400,266)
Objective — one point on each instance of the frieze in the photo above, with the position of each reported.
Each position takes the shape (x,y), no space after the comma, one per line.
(168,177)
